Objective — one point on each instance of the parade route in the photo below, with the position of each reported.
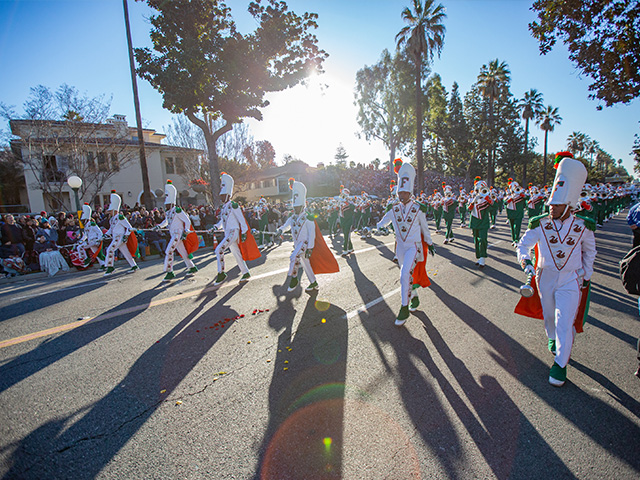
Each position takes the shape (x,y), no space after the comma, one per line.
(131,377)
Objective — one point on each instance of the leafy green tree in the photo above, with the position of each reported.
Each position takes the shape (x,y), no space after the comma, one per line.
(510,139)
(260,155)
(548,120)
(382,97)
(476,108)
(436,118)
(493,81)
(341,156)
(531,107)
(457,141)
(577,143)
(636,153)
(603,39)
(423,37)
(208,70)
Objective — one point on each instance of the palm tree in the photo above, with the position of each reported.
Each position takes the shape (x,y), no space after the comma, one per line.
(592,148)
(577,142)
(423,36)
(493,82)
(531,107)
(547,122)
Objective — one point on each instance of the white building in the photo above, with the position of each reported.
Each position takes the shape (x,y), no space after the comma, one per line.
(105,156)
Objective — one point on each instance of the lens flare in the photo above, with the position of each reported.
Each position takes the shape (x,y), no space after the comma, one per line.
(322,306)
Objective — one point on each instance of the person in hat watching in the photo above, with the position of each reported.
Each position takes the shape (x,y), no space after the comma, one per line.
(566,249)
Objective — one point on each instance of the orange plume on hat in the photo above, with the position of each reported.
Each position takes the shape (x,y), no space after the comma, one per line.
(169,182)
(560,156)
(476,180)
(291,180)
(397,163)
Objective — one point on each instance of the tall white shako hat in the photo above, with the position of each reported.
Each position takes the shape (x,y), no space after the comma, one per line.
(344,192)
(571,174)
(116,201)
(262,201)
(480,186)
(406,177)
(170,193)
(298,193)
(514,186)
(226,184)
(86,212)
(448,191)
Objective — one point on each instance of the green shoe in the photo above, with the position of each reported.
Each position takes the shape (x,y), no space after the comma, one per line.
(169,276)
(552,346)
(245,278)
(190,256)
(415,303)
(293,284)
(192,271)
(102,268)
(135,268)
(109,271)
(312,287)
(557,375)
(402,316)
(220,278)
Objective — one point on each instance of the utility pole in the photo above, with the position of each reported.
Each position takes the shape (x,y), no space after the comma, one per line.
(146,188)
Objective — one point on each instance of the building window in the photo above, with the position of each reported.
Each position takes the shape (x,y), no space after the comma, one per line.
(50,170)
(91,162)
(168,166)
(180,170)
(115,163)
(103,166)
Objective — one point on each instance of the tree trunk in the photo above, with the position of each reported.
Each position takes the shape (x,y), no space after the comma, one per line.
(211,138)
(420,176)
(526,145)
(490,160)
(544,159)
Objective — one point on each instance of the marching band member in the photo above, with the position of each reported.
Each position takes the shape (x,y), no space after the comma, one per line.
(91,239)
(515,209)
(479,205)
(262,212)
(309,247)
(565,248)
(493,208)
(462,207)
(237,235)
(179,225)
(347,210)
(121,239)
(412,237)
(449,205)
(535,202)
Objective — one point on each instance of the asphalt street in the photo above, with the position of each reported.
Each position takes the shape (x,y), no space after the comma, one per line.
(130,377)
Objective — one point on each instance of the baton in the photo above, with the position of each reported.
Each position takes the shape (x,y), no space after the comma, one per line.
(526,290)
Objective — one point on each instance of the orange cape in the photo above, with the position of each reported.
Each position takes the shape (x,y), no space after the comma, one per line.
(532,307)
(322,260)
(249,248)
(192,242)
(132,244)
(420,276)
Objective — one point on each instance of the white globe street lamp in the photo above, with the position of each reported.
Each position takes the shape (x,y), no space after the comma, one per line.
(75,183)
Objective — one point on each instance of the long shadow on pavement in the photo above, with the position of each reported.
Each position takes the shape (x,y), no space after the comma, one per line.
(306,396)
(62,448)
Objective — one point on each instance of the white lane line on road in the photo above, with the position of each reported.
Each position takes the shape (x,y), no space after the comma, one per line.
(155,303)
(373,302)
(39,294)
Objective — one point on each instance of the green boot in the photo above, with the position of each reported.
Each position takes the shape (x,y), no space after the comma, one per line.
(293,284)
(311,287)
(109,271)
(245,278)
(557,375)
(402,316)
(169,276)
(415,303)
(220,278)
(192,271)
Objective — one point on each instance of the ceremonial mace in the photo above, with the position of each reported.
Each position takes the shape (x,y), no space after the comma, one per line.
(526,290)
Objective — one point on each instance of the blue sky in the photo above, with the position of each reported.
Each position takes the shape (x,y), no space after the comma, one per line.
(82,43)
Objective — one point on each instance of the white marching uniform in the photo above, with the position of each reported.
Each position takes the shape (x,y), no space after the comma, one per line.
(234,224)
(567,251)
(91,239)
(119,229)
(303,231)
(410,225)
(179,225)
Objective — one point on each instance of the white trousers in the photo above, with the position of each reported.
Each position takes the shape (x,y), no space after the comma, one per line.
(560,298)
(118,244)
(408,256)
(176,243)
(298,257)
(230,241)
(81,248)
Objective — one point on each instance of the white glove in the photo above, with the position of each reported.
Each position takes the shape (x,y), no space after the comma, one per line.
(529,270)
(580,272)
